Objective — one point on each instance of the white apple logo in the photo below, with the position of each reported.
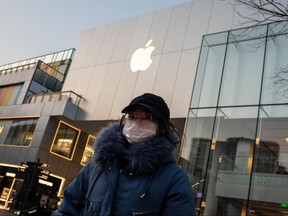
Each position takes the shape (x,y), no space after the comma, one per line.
(141,58)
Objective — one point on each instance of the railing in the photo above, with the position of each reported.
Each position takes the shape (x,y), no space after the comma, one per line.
(55,96)
(262,179)
(14,68)
(29,63)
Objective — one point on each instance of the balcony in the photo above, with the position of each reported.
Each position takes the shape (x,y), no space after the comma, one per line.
(64,103)
(55,96)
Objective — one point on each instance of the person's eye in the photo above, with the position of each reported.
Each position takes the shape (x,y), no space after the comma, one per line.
(131,116)
(148,117)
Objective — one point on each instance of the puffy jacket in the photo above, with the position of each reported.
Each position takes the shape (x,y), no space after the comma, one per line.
(122,179)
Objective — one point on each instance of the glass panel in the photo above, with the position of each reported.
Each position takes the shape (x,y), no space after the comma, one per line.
(50,83)
(228,174)
(275,82)
(21,132)
(277,28)
(206,88)
(58,86)
(59,56)
(243,71)
(246,34)
(39,76)
(270,168)
(88,151)
(195,151)
(62,70)
(65,140)
(222,162)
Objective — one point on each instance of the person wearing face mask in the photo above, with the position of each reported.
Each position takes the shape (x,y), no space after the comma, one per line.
(133,170)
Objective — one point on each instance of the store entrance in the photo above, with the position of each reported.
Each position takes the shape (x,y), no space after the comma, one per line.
(8,189)
(28,189)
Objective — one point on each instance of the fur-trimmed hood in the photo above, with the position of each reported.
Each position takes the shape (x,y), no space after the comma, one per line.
(112,150)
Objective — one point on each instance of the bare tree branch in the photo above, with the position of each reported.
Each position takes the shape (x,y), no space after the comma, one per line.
(267,11)
(263,10)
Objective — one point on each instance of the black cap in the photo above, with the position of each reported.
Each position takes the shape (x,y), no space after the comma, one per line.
(153,103)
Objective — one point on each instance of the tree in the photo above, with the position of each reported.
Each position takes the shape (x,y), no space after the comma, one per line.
(267,11)
(262,11)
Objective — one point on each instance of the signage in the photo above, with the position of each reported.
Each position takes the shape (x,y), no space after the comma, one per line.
(45,172)
(284,205)
(141,58)
(44,165)
(45,177)
(41,181)
(9,174)
(1,129)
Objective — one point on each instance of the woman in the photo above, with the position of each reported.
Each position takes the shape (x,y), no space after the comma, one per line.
(133,170)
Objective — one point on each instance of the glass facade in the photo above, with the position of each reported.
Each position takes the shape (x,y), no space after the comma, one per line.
(236,135)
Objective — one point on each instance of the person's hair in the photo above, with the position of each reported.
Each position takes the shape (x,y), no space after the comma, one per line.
(165,126)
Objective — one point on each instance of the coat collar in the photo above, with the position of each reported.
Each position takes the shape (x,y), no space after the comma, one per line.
(112,150)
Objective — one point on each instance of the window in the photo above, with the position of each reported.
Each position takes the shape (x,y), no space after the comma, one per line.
(65,140)
(88,151)
(9,94)
(21,132)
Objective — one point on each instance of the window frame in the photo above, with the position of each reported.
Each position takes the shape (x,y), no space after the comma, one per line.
(73,144)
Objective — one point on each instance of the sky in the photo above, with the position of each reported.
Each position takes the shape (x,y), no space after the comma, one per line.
(33,28)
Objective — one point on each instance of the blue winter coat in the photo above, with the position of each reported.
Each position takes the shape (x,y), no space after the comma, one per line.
(122,179)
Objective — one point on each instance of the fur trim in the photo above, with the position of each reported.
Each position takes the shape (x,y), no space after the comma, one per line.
(112,150)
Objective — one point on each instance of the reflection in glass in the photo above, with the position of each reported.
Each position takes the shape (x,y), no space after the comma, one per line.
(21,132)
(243,70)
(65,140)
(221,161)
(195,150)
(275,89)
(270,168)
(88,151)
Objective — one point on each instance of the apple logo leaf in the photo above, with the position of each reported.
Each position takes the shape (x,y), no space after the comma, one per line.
(148,43)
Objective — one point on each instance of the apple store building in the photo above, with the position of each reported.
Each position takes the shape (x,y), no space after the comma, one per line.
(224,85)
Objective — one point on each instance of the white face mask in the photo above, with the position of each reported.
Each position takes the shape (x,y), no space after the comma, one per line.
(137,131)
